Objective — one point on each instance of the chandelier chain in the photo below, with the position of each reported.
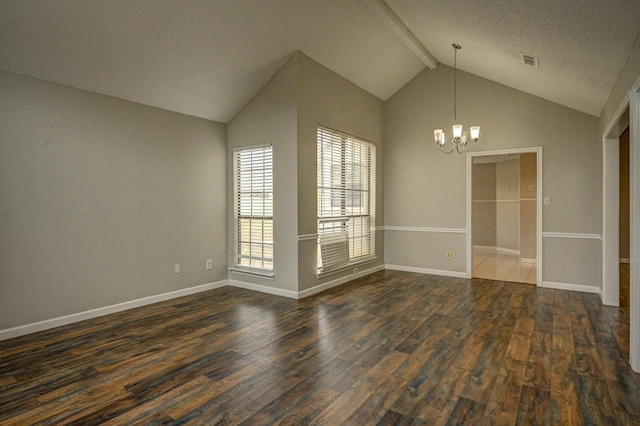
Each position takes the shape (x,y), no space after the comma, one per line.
(455,82)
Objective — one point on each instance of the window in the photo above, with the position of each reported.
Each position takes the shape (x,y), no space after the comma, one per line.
(346,199)
(253,208)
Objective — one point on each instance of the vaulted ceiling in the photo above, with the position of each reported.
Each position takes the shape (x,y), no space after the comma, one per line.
(207,58)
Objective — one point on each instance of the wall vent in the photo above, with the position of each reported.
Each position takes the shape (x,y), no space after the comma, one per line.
(530,60)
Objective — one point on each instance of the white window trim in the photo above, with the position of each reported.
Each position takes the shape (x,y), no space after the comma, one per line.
(236,267)
(370,213)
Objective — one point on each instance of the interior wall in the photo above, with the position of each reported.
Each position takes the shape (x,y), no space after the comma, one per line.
(99,199)
(528,205)
(624,240)
(484,204)
(286,112)
(508,205)
(327,99)
(425,190)
(271,117)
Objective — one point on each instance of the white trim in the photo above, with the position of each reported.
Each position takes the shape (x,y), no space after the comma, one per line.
(264,289)
(571,287)
(307,237)
(613,130)
(610,219)
(352,264)
(572,235)
(634,255)
(440,272)
(539,169)
(527,260)
(499,201)
(421,229)
(497,249)
(338,281)
(380,228)
(98,312)
(259,273)
(260,145)
(507,250)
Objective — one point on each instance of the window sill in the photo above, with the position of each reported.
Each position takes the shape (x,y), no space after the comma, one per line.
(260,273)
(349,265)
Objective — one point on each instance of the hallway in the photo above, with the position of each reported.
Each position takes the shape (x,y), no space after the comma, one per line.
(492,264)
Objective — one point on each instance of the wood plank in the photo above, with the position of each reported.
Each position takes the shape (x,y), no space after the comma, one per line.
(534,407)
(538,370)
(346,404)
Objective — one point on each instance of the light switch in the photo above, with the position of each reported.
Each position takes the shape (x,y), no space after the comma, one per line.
(547,201)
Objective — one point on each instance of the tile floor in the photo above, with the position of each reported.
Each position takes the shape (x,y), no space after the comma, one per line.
(492,264)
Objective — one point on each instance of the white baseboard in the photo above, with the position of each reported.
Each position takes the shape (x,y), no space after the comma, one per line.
(264,289)
(507,250)
(98,312)
(527,260)
(497,249)
(445,273)
(572,287)
(339,281)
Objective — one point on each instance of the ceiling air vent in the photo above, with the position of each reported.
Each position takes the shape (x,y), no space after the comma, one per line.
(530,60)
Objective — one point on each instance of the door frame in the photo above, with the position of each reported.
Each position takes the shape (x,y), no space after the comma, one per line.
(610,211)
(470,156)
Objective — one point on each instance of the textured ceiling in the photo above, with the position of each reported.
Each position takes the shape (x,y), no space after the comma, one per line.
(582,45)
(208,58)
(199,57)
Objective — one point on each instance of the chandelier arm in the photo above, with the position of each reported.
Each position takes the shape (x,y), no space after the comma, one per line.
(453,148)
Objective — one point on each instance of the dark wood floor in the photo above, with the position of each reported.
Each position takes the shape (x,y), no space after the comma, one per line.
(625,288)
(391,348)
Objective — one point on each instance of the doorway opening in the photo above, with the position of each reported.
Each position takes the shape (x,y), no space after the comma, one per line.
(624,228)
(627,116)
(504,215)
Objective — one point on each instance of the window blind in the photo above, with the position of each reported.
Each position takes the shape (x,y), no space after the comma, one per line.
(253,207)
(346,199)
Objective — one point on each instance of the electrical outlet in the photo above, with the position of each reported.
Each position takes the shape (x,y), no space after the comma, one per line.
(531,188)
(447,254)
(176,268)
(209,263)
(355,270)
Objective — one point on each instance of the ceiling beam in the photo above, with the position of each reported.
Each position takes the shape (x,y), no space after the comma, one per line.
(382,10)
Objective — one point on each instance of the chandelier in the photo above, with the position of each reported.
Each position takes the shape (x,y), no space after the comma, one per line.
(460,140)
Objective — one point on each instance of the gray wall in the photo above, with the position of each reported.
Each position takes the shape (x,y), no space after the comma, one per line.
(271,117)
(286,112)
(99,198)
(426,189)
(508,205)
(484,204)
(327,99)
